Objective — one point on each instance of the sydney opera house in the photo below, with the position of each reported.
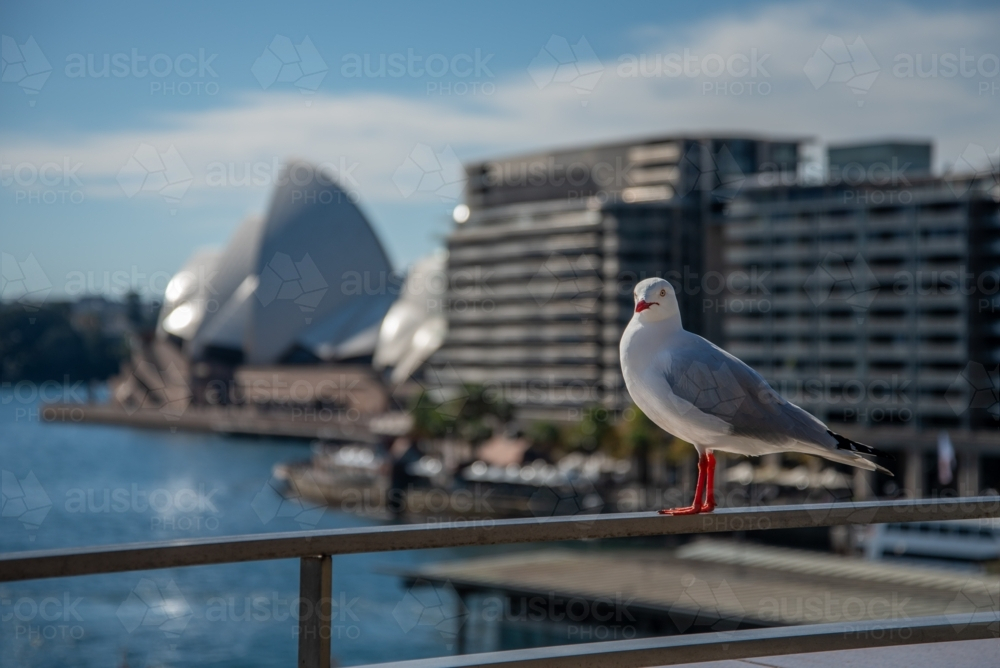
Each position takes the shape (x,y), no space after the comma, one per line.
(303,290)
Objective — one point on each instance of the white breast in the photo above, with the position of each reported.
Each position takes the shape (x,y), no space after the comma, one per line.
(645,359)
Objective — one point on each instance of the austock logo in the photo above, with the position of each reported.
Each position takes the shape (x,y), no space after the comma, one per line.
(149,605)
(976,388)
(719,173)
(24,65)
(974,598)
(572,496)
(148,387)
(429,605)
(149,170)
(713,391)
(559,62)
(288,499)
(442,386)
(565,277)
(23,281)
(428,171)
(43,619)
(976,163)
(835,61)
(701,604)
(175,509)
(836,279)
(830,496)
(285,62)
(48,182)
(23,500)
(301,282)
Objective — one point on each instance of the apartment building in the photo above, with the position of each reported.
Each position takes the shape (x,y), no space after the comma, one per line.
(543,262)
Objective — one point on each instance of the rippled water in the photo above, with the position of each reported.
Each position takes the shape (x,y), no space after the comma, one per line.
(104,485)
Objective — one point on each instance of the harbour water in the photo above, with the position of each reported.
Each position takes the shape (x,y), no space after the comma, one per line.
(72,485)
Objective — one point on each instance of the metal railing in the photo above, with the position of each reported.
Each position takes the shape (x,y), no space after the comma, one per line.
(315,548)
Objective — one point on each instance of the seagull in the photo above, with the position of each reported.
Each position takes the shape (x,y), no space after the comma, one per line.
(698,392)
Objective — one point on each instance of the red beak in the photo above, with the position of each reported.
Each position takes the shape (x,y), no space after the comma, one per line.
(641,305)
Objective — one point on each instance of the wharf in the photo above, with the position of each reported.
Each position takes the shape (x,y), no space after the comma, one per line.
(706,585)
(242,420)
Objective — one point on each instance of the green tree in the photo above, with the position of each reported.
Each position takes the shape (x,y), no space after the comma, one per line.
(546,437)
(595,431)
(468,412)
(43,345)
(641,436)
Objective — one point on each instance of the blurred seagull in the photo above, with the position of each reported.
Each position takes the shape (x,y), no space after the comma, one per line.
(702,394)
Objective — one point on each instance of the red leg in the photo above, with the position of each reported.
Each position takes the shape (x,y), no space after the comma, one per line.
(709,483)
(699,491)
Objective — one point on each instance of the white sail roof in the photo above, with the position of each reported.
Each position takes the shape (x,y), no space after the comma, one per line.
(303,280)
(415,326)
(188,298)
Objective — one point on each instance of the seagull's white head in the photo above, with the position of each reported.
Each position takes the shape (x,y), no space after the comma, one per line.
(655,301)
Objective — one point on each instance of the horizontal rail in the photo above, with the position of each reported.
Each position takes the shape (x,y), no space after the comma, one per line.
(233,549)
(722,645)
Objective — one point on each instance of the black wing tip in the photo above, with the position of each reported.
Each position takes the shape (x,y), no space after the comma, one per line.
(844,443)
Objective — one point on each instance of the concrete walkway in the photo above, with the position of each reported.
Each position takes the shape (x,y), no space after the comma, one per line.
(967,654)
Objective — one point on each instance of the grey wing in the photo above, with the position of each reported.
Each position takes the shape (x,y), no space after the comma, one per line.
(714,382)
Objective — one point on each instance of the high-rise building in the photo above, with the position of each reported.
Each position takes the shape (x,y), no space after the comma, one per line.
(543,263)
(872,299)
(877,308)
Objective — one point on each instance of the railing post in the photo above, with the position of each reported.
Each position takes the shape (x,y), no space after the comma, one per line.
(315,611)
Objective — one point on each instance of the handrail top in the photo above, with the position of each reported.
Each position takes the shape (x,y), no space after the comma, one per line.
(239,548)
(812,508)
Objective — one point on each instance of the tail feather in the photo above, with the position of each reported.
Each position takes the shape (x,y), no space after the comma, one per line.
(882,469)
(840,455)
(844,443)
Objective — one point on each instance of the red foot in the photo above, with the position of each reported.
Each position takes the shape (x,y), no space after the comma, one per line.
(687,510)
(705,487)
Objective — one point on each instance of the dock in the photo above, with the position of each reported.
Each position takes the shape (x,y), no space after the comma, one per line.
(567,596)
(240,420)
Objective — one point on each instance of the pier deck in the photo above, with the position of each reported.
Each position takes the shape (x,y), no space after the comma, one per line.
(298,423)
(712,585)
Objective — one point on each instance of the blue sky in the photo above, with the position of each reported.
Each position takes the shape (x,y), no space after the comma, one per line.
(82,222)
